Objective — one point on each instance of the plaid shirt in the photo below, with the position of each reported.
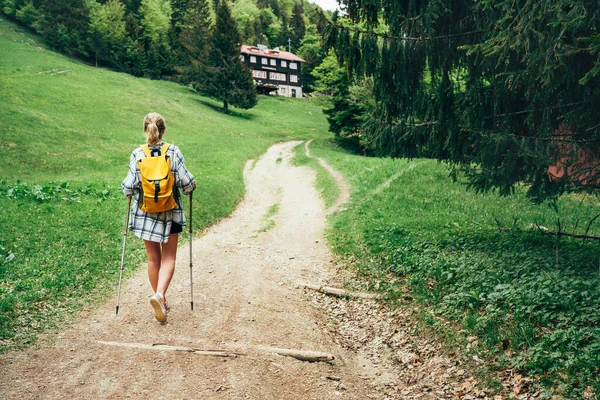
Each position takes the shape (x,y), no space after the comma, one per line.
(156,227)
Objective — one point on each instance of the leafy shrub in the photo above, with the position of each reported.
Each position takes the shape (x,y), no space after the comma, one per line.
(51,192)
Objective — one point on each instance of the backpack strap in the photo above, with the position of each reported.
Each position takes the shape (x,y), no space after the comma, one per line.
(146,149)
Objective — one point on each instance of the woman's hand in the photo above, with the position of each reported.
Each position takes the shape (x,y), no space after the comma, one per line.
(194,184)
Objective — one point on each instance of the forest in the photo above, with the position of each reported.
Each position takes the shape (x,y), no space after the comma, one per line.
(162,39)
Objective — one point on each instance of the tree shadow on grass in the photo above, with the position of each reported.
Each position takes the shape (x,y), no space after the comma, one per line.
(233,113)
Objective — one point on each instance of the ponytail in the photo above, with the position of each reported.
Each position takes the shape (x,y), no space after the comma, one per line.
(154,127)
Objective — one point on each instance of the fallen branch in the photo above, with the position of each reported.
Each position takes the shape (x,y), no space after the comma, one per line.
(578,236)
(339,292)
(164,347)
(302,355)
(590,223)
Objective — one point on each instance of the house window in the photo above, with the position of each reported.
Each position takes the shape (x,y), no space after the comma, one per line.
(293,65)
(284,64)
(293,78)
(259,74)
(264,60)
(273,62)
(253,59)
(242,58)
(276,76)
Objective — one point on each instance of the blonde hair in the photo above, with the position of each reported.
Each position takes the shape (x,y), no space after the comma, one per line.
(154,128)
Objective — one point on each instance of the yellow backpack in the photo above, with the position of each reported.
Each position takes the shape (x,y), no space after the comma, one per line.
(158,183)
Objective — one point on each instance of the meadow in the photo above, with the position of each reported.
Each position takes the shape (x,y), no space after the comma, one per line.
(67,132)
(471,265)
(476,267)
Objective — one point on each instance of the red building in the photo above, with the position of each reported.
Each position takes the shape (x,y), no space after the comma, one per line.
(579,166)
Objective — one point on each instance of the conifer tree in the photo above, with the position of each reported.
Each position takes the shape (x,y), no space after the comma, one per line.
(297,26)
(64,24)
(156,21)
(500,89)
(228,79)
(285,33)
(275,7)
(195,31)
(179,8)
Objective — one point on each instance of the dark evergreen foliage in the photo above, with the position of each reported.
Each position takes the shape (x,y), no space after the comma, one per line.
(501,89)
(228,79)
(180,7)
(194,38)
(275,7)
(65,24)
(285,33)
(297,26)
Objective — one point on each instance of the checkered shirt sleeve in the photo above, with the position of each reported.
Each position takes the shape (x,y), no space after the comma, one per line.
(156,227)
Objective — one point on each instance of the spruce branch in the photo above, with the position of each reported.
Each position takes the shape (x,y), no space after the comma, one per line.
(406,38)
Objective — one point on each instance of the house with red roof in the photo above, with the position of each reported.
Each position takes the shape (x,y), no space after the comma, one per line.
(274,71)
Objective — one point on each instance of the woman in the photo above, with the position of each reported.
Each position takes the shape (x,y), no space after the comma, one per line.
(158,230)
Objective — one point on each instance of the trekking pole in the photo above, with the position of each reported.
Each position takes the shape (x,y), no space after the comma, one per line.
(123,253)
(191,278)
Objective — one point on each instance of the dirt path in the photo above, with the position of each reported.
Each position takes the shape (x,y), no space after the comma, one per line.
(247,300)
(245,269)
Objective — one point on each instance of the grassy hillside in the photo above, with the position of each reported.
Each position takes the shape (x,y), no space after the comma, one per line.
(67,132)
(477,266)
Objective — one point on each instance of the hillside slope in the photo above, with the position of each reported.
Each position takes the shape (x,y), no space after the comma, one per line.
(67,132)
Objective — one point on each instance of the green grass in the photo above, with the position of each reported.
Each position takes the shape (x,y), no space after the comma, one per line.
(325,184)
(477,265)
(65,122)
(268,221)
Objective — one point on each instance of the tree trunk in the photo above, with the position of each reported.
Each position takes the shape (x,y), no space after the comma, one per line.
(225,106)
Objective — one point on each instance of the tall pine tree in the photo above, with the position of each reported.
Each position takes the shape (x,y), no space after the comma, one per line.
(194,37)
(228,80)
(297,26)
(501,90)
(156,21)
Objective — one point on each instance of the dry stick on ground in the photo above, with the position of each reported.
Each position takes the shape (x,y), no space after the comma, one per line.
(578,236)
(164,347)
(339,292)
(303,355)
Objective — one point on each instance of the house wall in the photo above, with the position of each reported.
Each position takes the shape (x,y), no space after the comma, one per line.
(289,91)
(285,86)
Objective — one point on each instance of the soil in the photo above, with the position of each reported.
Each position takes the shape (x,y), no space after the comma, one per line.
(246,298)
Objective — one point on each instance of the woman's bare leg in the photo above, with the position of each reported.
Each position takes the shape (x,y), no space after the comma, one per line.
(154,262)
(167,266)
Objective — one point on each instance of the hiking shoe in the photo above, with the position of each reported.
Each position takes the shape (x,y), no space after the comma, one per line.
(160,311)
